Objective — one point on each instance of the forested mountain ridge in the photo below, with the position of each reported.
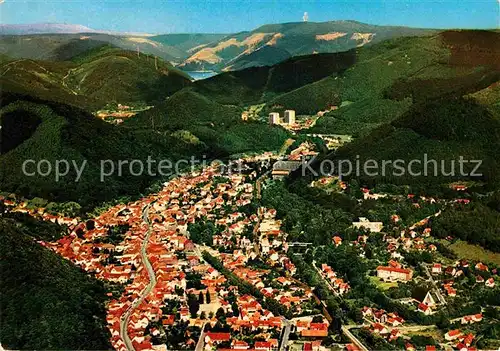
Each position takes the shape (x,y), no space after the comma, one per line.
(94,78)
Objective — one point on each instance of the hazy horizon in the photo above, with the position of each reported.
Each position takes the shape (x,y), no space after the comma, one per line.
(194,16)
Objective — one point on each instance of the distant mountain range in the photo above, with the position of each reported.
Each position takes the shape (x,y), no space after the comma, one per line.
(55,28)
(264,46)
(273,43)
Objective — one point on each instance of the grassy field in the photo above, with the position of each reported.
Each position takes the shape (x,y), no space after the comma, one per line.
(474,252)
(286,145)
(384,286)
(436,334)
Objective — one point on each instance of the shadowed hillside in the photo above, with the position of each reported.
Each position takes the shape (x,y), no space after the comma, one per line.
(259,84)
(45,301)
(444,129)
(60,132)
(217,126)
(185,109)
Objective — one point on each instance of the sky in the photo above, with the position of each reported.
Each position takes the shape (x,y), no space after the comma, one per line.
(230,16)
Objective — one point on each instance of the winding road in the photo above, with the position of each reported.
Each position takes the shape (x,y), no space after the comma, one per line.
(152,282)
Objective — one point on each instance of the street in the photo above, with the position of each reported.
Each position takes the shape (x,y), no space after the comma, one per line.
(436,289)
(286,334)
(152,282)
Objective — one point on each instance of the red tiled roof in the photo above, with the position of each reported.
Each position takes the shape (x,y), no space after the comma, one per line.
(315,332)
(391,269)
(219,336)
(454,332)
(423,307)
(263,345)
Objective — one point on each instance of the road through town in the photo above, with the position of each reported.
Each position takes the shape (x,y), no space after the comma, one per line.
(286,334)
(152,282)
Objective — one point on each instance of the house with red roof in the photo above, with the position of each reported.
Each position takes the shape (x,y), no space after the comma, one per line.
(425,309)
(265,345)
(378,328)
(240,345)
(468,339)
(337,240)
(453,335)
(473,318)
(481,267)
(436,268)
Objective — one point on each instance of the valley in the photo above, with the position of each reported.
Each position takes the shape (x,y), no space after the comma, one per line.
(255,239)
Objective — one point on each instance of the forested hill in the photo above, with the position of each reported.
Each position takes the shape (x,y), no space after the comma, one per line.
(43,130)
(439,98)
(46,303)
(263,46)
(94,78)
(444,130)
(373,84)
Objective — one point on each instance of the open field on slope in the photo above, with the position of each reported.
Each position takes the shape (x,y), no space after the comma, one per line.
(474,252)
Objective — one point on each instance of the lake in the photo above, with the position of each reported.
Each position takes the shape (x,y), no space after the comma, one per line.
(198,75)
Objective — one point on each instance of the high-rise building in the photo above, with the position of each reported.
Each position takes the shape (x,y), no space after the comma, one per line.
(289,117)
(274,118)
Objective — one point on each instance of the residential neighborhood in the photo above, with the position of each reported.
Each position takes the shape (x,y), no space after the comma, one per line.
(197,266)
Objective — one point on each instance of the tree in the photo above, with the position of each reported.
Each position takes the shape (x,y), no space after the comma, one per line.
(355,314)
(37,203)
(71,208)
(207,297)
(52,208)
(443,321)
(90,224)
(193,304)
(200,298)
(317,319)
(220,313)
(236,310)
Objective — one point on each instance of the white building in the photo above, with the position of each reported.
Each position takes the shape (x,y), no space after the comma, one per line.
(274,118)
(289,117)
(365,223)
(394,274)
